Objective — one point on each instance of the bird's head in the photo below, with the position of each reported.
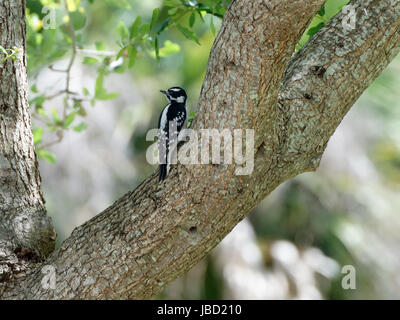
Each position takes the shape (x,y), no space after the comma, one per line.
(175,94)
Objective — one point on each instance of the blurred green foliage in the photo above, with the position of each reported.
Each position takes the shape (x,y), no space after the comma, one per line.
(151,34)
(303,219)
(71,33)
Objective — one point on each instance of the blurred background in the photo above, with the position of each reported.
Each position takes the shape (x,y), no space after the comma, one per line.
(295,244)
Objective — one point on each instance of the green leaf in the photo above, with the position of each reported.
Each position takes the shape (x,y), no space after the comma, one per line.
(188,33)
(172,3)
(315,29)
(164,25)
(46,155)
(40,111)
(82,111)
(192,19)
(200,15)
(169,49)
(132,52)
(122,30)
(172,11)
(56,116)
(321,12)
(104,95)
(144,29)
(38,39)
(85,91)
(69,119)
(100,46)
(79,109)
(72,5)
(156,48)
(120,53)
(212,26)
(38,101)
(100,92)
(99,84)
(154,17)
(134,28)
(80,127)
(89,61)
(34,89)
(37,135)
(78,20)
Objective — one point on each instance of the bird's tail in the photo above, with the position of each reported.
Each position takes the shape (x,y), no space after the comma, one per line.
(163,171)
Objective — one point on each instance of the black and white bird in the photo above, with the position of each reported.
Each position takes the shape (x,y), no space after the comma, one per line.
(172,121)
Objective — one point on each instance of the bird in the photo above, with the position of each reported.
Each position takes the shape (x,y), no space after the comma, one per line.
(172,118)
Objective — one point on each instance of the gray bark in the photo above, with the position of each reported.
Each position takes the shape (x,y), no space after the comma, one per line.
(155,233)
(24,226)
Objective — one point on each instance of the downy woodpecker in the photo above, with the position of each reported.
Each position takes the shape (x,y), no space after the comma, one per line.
(172,120)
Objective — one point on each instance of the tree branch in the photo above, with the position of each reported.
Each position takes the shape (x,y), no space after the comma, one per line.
(155,233)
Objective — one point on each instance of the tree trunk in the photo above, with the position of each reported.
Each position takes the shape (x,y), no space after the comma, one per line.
(155,233)
(24,226)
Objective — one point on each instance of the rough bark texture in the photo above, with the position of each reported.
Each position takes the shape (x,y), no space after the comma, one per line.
(24,226)
(155,233)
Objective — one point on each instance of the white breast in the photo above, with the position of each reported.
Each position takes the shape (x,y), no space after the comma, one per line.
(163,121)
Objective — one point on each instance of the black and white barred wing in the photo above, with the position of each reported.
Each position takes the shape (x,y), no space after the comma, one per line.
(171,122)
(180,122)
(174,128)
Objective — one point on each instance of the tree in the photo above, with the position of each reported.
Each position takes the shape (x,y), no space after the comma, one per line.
(158,231)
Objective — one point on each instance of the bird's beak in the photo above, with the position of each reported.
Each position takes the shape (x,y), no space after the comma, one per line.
(165,93)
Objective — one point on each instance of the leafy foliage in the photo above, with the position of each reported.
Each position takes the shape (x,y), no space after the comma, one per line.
(141,37)
(66,39)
